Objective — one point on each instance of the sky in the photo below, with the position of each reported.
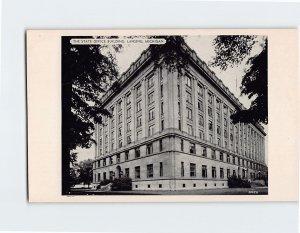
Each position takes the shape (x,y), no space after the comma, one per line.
(203,46)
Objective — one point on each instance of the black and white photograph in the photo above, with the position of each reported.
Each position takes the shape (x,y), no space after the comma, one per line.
(164,115)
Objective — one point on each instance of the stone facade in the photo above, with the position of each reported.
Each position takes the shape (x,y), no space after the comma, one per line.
(172,132)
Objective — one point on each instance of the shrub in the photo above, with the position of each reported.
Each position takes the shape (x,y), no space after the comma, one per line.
(122,184)
(237,182)
(105,182)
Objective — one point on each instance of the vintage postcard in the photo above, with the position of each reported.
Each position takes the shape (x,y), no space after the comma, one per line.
(162,115)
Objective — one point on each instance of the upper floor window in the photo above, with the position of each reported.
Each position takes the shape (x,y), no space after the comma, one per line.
(210,98)
(188,81)
(150,98)
(201,120)
(139,121)
(149,149)
(138,91)
(188,97)
(218,103)
(138,106)
(200,90)
(128,98)
(189,113)
(137,152)
(150,82)
(190,129)
(151,130)
(151,114)
(200,105)
(192,148)
(214,172)
(209,112)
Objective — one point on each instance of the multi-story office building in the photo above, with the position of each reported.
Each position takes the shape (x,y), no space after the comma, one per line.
(170,132)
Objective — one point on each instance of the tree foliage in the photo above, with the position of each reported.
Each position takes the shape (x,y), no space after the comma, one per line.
(87,72)
(174,58)
(231,51)
(86,172)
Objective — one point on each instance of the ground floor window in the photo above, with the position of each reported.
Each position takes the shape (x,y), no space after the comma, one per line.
(137,172)
(204,171)
(126,172)
(150,170)
(213,172)
(192,169)
(182,169)
(161,169)
(221,173)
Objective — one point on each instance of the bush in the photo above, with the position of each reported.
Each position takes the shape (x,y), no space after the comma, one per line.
(105,182)
(122,184)
(237,182)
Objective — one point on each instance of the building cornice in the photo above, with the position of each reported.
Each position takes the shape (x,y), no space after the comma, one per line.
(210,75)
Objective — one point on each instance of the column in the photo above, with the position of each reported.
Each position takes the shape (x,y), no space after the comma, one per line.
(214,110)
(195,108)
(133,115)
(145,108)
(205,106)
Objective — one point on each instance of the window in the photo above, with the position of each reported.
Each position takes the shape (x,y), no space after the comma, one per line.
(200,105)
(188,81)
(200,90)
(126,172)
(98,162)
(233,159)
(104,162)
(225,109)
(99,177)
(120,105)
(182,169)
(192,148)
(162,124)
(151,114)
(228,173)
(204,171)
(210,98)
(126,155)
(189,113)
(150,98)
(179,108)
(118,159)
(149,149)
(104,175)
(161,90)
(201,120)
(138,135)
(160,145)
(128,127)
(225,122)
(111,161)
(151,130)
(221,156)
(128,98)
(233,173)
(188,97)
(213,172)
(128,139)
(120,118)
(150,82)
(228,158)
(137,152)
(178,90)
(137,172)
(138,91)
(181,145)
(161,169)
(120,132)
(221,173)
(201,134)
(210,126)
(213,154)
(138,106)
(190,130)
(128,112)
(179,124)
(218,130)
(139,121)
(192,169)
(210,138)
(209,112)
(204,153)
(218,104)
(218,117)
(162,108)
(149,170)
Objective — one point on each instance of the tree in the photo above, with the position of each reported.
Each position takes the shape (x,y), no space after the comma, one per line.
(86,172)
(231,51)
(87,71)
